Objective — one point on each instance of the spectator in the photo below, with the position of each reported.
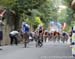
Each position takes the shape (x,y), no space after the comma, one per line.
(13,37)
(1,31)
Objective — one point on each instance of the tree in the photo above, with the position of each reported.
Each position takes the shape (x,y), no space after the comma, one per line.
(46,10)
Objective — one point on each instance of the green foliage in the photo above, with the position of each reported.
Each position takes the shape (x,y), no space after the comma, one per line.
(47,10)
(7,3)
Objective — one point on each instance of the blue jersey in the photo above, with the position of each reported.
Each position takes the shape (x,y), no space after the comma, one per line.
(25,28)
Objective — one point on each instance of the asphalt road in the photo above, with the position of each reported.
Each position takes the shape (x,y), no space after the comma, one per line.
(49,50)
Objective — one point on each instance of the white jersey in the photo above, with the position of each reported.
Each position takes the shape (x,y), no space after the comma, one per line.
(14,32)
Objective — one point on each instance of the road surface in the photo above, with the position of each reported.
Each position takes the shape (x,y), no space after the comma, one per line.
(49,50)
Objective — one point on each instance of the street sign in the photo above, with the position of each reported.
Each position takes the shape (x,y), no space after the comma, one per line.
(73,50)
(73,28)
